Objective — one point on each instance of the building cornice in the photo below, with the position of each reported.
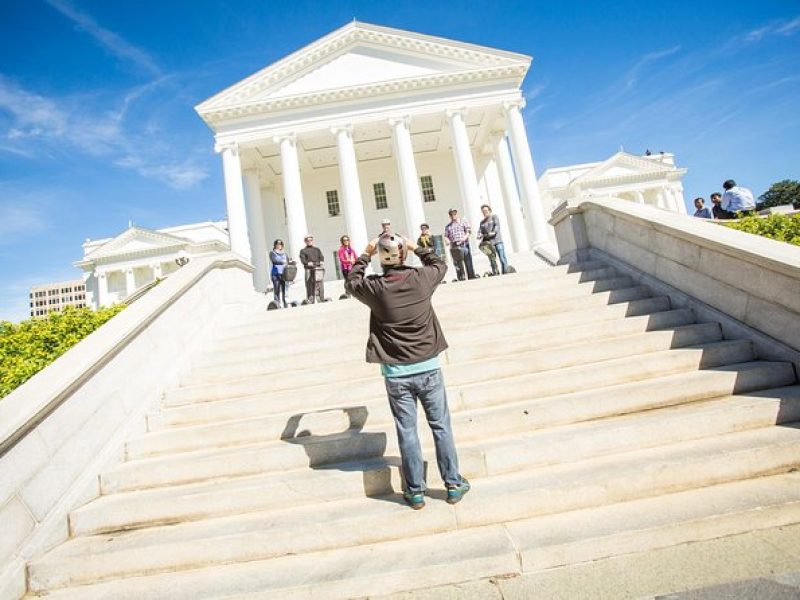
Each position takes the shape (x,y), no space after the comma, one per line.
(409,84)
(301,61)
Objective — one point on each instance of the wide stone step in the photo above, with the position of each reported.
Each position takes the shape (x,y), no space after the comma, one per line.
(528,448)
(467,305)
(574,273)
(239,382)
(263,425)
(192,502)
(210,407)
(340,320)
(595,483)
(560,352)
(480,342)
(322,346)
(545,542)
(605,373)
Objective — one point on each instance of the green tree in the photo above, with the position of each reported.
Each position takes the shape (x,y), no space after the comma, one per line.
(28,347)
(782,192)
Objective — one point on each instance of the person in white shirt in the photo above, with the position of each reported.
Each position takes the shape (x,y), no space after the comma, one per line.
(737,199)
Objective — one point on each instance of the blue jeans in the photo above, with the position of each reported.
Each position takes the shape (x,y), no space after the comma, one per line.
(428,388)
(501,254)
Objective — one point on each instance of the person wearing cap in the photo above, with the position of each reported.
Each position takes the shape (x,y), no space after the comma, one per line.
(312,258)
(425,240)
(456,234)
(405,338)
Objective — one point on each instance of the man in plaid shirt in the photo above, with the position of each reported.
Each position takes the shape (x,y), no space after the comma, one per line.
(456,232)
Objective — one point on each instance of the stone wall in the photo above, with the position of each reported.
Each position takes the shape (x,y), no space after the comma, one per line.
(67,423)
(749,283)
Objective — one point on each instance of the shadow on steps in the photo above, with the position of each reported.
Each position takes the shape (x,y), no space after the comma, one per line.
(334,438)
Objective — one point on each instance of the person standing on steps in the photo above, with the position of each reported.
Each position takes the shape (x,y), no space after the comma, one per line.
(405,338)
(489,233)
(312,259)
(277,257)
(347,256)
(456,234)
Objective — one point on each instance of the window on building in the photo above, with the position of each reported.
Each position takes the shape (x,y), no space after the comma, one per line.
(333,202)
(380,195)
(426,181)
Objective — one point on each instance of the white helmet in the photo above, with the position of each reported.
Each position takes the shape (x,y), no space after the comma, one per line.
(391,250)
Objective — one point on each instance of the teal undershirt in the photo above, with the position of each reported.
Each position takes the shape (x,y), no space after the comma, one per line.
(411,368)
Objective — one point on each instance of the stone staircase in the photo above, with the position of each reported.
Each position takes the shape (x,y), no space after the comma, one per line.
(592,418)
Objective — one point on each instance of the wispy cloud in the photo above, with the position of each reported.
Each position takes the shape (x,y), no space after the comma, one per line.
(784,27)
(633,74)
(112,42)
(19,220)
(66,123)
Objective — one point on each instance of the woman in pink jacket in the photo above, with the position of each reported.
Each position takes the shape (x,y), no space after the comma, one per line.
(347,256)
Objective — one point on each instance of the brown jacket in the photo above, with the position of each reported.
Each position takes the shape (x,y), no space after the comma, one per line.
(403,327)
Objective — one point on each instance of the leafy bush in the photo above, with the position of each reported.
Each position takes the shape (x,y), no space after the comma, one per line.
(784,228)
(28,347)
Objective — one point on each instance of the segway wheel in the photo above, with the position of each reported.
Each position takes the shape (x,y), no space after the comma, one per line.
(328,300)
(272,306)
(510,269)
(343,297)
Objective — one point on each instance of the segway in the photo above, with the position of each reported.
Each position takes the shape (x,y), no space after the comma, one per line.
(288,276)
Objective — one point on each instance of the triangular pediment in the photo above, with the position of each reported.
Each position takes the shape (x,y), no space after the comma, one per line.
(359,56)
(622,165)
(136,240)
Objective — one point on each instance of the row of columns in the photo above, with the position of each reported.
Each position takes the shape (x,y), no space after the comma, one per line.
(243,198)
(130,281)
(667,198)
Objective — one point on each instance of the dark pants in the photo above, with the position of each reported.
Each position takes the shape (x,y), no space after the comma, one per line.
(462,257)
(279,290)
(314,290)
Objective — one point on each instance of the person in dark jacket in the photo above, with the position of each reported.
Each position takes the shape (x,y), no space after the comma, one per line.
(405,338)
(312,259)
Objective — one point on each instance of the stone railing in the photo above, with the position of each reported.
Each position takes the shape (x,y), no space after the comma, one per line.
(750,284)
(68,422)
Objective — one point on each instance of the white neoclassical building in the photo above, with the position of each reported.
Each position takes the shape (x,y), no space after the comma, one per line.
(651,179)
(115,268)
(369,123)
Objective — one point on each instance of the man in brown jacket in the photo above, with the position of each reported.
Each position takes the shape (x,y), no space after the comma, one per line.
(405,338)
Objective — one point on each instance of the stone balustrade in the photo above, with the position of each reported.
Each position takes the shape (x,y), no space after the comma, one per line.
(70,420)
(749,283)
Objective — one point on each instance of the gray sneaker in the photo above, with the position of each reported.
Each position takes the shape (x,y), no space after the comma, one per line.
(456,492)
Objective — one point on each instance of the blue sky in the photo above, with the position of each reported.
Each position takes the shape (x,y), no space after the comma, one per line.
(96,99)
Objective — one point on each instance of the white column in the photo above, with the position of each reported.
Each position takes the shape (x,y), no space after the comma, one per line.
(639,196)
(511,196)
(102,289)
(497,203)
(234,200)
(677,201)
(130,282)
(293,194)
(465,168)
(255,229)
(351,188)
(409,180)
(526,174)
(661,199)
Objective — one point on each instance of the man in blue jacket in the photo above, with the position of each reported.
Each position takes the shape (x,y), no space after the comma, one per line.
(405,338)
